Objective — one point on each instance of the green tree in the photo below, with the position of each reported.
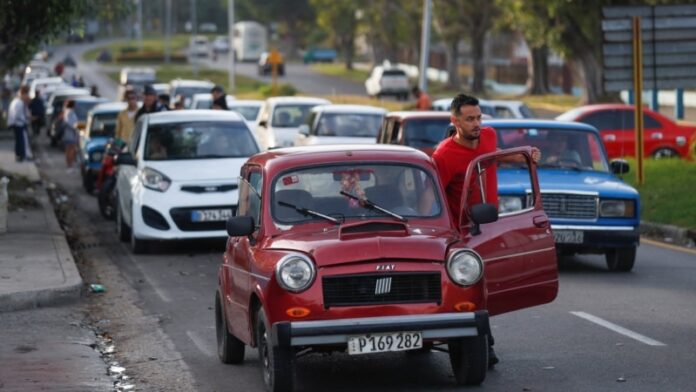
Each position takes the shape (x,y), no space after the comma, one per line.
(447,24)
(393,28)
(340,19)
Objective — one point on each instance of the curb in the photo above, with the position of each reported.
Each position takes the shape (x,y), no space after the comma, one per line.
(669,233)
(69,291)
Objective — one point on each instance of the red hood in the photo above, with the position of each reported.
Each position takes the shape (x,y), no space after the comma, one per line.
(334,246)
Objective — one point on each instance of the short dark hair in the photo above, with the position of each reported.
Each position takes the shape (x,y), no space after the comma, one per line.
(462,100)
(70,103)
(164,97)
(217,89)
(415,89)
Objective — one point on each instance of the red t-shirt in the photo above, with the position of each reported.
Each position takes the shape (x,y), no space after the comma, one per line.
(423,102)
(452,160)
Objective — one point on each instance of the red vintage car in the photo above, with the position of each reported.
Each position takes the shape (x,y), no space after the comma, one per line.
(662,137)
(352,248)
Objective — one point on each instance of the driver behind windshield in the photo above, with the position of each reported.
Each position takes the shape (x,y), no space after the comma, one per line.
(560,151)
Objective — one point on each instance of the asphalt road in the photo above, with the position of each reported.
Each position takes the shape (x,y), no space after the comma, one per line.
(575,343)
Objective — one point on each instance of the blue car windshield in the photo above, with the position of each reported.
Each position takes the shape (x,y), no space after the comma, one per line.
(560,148)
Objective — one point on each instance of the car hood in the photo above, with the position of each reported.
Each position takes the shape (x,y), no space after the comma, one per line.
(199,169)
(97,142)
(353,243)
(605,184)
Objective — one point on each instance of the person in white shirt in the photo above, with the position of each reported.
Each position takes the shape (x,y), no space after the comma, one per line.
(17,120)
(70,134)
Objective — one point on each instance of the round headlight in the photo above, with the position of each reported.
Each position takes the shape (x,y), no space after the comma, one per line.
(295,272)
(464,267)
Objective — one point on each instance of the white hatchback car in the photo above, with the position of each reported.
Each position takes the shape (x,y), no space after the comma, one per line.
(388,81)
(180,179)
(186,88)
(341,124)
(281,117)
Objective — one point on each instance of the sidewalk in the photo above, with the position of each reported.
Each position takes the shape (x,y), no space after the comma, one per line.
(36,266)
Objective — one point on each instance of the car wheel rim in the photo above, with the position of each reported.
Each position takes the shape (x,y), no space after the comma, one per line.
(265,360)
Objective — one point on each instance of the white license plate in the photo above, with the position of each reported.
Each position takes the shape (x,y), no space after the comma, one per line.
(568,236)
(210,215)
(384,342)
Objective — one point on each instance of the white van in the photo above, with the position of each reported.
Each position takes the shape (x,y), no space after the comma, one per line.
(249,41)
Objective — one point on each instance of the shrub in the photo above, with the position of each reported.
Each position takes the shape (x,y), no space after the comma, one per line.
(282,90)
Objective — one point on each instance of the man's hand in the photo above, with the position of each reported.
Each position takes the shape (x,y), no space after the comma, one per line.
(536,155)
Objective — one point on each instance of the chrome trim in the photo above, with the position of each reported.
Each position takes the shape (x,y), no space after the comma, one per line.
(566,192)
(511,213)
(383,320)
(283,260)
(249,273)
(591,228)
(553,248)
(342,338)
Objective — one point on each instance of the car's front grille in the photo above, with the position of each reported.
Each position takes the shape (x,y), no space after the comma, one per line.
(570,206)
(209,188)
(379,289)
(183,218)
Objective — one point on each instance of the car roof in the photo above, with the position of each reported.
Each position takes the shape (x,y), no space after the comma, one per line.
(191,82)
(343,108)
(51,80)
(109,107)
(291,99)
(193,115)
(419,114)
(539,123)
(246,102)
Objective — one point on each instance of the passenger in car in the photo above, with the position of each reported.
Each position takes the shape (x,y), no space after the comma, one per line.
(560,151)
(155,148)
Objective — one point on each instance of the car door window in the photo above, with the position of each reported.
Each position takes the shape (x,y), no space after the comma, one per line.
(384,135)
(503,112)
(394,133)
(603,120)
(135,137)
(250,196)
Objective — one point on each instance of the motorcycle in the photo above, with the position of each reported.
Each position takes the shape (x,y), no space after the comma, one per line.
(106,181)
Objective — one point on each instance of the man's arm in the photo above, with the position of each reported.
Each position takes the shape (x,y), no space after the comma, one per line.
(517,158)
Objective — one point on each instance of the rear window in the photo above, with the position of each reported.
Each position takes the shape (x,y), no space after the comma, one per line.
(393,72)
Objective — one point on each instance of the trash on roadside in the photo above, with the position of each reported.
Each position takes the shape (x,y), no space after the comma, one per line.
(620,379)
(549,367)
(97,288)
(51,185)
(116,370)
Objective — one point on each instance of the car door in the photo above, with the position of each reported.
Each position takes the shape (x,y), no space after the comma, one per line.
(610,128)
(127,176)
(517,249)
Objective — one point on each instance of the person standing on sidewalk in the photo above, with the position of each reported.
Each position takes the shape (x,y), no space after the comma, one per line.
(70,134)
(423,101)
(38,113)
(17,120)
(125,121)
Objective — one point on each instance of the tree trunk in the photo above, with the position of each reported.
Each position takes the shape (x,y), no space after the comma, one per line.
(537,78)
(477,50)
(348,48)
(453,64)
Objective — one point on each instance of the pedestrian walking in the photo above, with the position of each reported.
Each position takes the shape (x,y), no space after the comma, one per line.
(70,134)
(17,120)
(219,98)
(125,121)
(37,108)
(94,91)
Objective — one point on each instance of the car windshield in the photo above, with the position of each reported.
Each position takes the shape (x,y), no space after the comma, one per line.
(248,112)
(291,115)
(199,140)
(426,133)
(103,124)
(349,124)
(560,148)
(83,107)
(403,190)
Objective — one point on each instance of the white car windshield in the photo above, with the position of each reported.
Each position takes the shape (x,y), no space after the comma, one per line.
(291,116)
(353,191)
(349,124)
(199,140)
(248,112)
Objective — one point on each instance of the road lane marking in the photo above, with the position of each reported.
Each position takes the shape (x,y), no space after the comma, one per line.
(160,293)
(618,329)
(201,344)
(668,246)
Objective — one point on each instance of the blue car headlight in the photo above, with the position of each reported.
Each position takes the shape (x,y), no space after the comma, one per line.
(510,204)
(617,208)
(95,156)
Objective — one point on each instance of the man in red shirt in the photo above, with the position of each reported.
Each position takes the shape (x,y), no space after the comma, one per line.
(423,101)
(453,156)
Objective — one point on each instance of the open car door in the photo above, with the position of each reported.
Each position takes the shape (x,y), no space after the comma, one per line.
(517,248)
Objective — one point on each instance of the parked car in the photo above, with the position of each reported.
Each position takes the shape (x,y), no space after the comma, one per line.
(662,137)
(221,44)
(266,68)
(187,88)
(101,126)
(388,81)
(180,179)
(199,46)
(308,268)
(319,55)
(495,108)
(281,117)
(423,130)
(591,210)
(250,110)
(46,86)
(135,78)
(341,124)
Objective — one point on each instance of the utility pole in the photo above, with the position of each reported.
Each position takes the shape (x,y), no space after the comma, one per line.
(425,46)
(230,38)
(194,32)
(167,31)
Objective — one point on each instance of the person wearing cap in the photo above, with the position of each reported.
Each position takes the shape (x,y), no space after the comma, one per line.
(219,99)
(150,103)
(165,100)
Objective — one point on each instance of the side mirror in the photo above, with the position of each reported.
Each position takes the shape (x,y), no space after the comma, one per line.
(124,158)
(482,213)
(263,123)
(240,226)
(304,129)
(619,166)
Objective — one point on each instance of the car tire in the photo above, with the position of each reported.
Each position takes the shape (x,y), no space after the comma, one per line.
(138,246)
(106,199)
(469,359)
(277,363)
(229,348)
(122,229)
(621,259)
(664,153)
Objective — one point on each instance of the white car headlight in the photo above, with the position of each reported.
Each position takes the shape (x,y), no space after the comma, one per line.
(616,208)
(465,267)
(509,204)
(152,179)
(295,272)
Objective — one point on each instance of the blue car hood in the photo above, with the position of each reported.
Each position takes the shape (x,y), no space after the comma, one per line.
(96,143)
(605,184)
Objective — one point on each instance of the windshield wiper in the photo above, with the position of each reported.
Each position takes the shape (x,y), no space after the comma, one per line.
(372,206)
(307,212)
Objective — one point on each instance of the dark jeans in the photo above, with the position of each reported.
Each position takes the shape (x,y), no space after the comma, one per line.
(20,148)
(36,127)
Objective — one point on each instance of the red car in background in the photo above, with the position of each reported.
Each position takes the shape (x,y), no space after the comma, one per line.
(663,138)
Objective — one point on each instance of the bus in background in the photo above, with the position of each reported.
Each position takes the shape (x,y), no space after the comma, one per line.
(249,41)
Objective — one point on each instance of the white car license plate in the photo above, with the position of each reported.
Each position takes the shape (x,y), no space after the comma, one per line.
(568,236)
(210,215)
(383,342)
